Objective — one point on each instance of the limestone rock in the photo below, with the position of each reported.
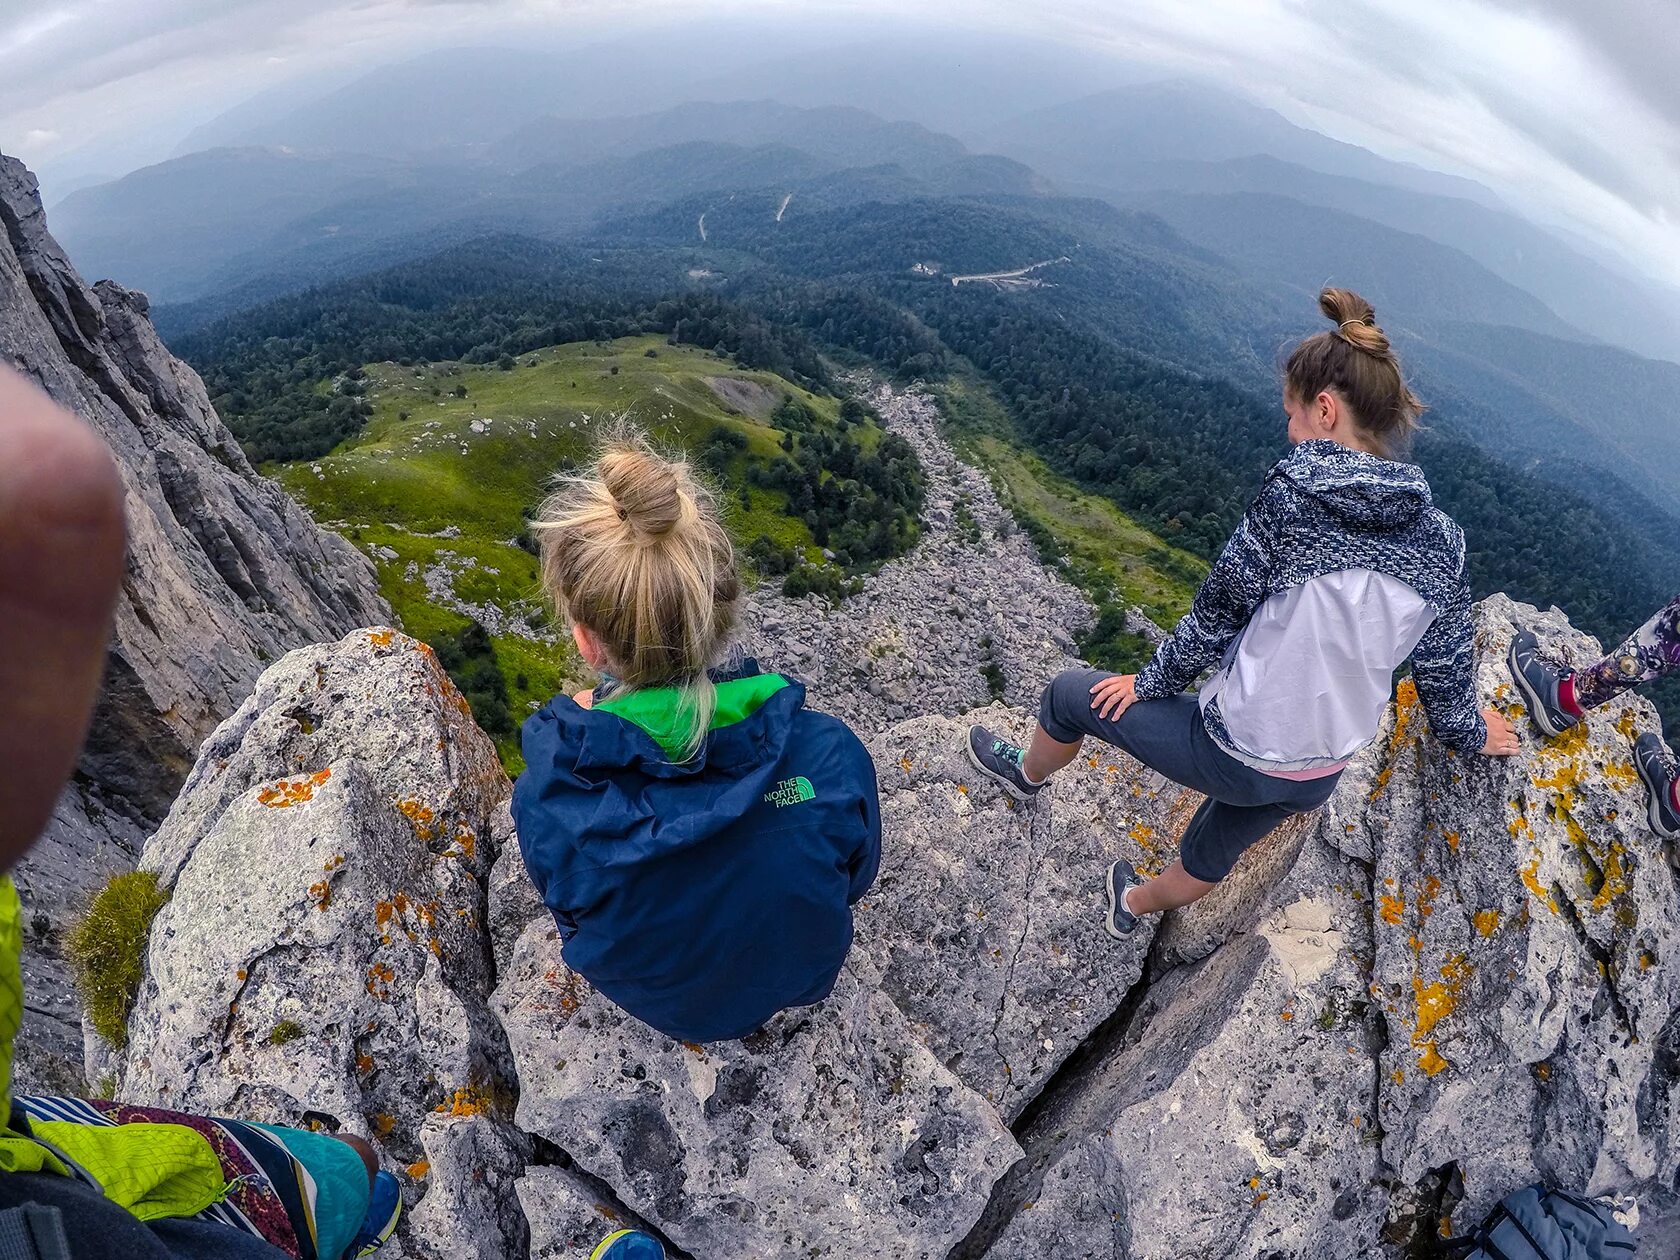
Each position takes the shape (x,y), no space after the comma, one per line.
(986,924)
(967,616)
(324,947)
(225,572)
(1455,980)
(832,1131)
(568,1217)
(1527,946)
(471,1207)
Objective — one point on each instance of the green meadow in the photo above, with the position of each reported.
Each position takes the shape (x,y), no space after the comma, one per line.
(437,487)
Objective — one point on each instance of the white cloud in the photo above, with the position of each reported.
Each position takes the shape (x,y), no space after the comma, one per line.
(39,138)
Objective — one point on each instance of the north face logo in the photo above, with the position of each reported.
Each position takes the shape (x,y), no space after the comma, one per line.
(794,791)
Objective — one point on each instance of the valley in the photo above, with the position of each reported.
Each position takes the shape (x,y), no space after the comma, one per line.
(439,486)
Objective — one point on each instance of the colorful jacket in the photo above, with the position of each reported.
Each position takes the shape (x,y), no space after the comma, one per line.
(701,896)
(298,1191)
(1341,568)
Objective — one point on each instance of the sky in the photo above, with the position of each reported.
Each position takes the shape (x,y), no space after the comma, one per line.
(1570,110)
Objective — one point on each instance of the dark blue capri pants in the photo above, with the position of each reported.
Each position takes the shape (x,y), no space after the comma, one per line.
(1243,804)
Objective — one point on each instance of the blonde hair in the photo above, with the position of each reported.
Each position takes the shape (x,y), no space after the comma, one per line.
(1356,360)
(632,550)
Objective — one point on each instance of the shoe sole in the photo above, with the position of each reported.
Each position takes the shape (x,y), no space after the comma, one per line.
(1653,804)
(1114,929)
(1008,785)
(1536,706)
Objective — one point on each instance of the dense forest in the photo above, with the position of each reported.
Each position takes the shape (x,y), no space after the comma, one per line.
(1109,399)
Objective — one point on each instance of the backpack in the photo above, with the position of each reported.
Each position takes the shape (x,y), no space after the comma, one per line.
(1540,1224)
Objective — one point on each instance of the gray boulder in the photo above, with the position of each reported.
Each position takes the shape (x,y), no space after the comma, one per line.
(1453,981)
(986,924)
(833,1131)
(324,947)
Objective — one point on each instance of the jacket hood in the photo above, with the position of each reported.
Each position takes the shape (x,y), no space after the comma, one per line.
(1362,491)
(752,725)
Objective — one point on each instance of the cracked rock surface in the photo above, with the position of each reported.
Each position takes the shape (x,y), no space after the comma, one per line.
(324,948)
(225,575)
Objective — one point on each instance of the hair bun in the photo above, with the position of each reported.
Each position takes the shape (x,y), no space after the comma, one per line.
(1355,319)
(645,489)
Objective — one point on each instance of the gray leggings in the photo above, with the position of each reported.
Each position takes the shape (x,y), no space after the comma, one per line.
(1242,805)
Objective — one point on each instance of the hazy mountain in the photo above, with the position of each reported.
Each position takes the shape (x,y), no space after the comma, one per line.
(838,136)
(170,228)
(227,219)
(1085,141)
(1406,276)
(1582,289)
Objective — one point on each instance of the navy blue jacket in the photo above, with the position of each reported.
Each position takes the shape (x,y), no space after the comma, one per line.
(703,896)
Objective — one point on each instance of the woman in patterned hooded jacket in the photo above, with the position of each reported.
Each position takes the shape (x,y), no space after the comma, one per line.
(1340,570)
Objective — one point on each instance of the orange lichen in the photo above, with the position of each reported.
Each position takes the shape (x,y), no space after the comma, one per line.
(383,1123)
(381,638)
(364,1063)
(1452,840)
(1392,909)
(419,1168)
(1486,921)
(1531,878)
(333,863)
(466,1102)
(1430,1061)
(1405,707)
(321,893)
(288,792)
(420,814)
(1438,999)
(1397,1076)
(905,764)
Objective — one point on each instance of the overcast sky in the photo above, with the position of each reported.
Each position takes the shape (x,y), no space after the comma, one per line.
(1571,109)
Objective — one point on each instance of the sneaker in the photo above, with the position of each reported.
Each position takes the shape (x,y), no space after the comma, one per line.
(384,1211)
(628,1244)
(1000,761)
(1538,681)
(1121,922)
(1653,765)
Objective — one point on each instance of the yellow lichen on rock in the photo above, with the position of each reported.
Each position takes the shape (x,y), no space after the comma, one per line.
(285,793)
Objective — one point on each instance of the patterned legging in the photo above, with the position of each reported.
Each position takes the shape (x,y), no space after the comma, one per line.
(1652,651)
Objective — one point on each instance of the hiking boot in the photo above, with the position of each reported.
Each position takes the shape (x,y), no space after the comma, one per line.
(384,1211)
(628,1244)
(1539,681)
(1000,761)
(1650,759)
(1121,922)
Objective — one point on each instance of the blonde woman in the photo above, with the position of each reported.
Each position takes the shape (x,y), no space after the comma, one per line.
(699,835)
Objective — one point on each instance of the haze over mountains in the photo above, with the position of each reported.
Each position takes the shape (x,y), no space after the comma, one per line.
(1199,224)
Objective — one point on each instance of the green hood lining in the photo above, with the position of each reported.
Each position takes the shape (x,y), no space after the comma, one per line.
(661,713)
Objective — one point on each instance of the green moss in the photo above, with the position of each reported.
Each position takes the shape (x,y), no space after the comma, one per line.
(286,1030)
(107,950)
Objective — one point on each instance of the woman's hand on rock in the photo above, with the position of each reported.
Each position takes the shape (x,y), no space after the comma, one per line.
(1501,736)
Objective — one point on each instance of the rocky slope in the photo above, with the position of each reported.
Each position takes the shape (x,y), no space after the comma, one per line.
(1460,976)
(968,601)
(225,575)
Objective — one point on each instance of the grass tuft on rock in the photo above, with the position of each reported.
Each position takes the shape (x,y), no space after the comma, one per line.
(107,950)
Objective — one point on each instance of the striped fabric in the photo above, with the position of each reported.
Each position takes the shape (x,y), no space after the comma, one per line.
(266,1192)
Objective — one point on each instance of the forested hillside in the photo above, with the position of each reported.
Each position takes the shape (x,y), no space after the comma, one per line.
(1140,371)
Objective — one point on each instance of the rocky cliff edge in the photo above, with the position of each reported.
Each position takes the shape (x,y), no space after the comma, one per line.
(1460,976)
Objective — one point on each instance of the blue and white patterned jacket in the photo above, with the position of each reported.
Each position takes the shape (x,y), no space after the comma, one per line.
(1340,568)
